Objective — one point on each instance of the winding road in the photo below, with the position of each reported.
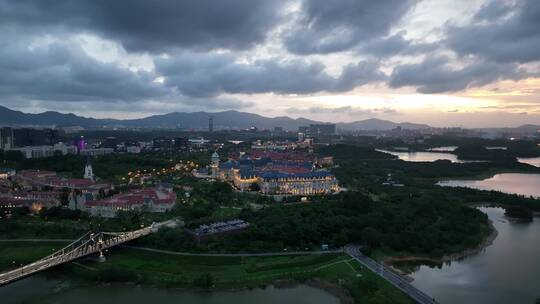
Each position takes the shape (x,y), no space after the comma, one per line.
(393,278)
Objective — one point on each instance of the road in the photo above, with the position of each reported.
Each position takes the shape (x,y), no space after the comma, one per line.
(388,275)
(280,253)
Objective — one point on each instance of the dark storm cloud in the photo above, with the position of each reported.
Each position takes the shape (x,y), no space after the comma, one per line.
(434,75)
(394,45)
(203,75)
(154,26)
(64,73)
(514,38)
(338,25)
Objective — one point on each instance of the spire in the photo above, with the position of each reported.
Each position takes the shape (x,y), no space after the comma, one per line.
(88,171)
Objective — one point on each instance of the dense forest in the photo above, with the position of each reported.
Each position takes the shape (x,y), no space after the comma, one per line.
(414,224)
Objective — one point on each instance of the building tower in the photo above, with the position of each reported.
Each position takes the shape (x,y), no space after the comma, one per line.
(211,123)
(88,171)
(6,138)
(214,166)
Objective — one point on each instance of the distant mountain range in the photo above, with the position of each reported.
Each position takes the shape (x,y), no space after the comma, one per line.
(194,120)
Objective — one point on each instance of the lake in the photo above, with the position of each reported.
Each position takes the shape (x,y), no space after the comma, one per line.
(443,149)
(508,271)
(514,183)
(424,156)
(41,290)
(534,161)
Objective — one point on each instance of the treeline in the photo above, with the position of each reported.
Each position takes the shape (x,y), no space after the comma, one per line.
(418,224)
(469,196)
(515,148)
(473,151)
(360,166)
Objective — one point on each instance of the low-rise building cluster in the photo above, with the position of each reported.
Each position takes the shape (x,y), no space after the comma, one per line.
(156,199)
(37,189)
(218,228)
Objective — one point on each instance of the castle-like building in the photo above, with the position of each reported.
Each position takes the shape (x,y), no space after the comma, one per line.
(281,174)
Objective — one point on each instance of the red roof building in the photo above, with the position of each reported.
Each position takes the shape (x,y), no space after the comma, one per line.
(156,199)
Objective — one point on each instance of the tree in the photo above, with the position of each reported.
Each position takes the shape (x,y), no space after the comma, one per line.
(64,197)
(206,280)
(370,236)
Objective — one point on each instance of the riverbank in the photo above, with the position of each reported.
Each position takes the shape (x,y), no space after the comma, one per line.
(512,255)
(334,289)
(486,242)
(335,273)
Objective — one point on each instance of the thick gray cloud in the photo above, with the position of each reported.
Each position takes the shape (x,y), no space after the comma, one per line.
(493,10)
(502,33)
(65,73)
(352,111)
(204,75)
(338,25)
(434,75)
(199,46)
(154,26)
(393,45)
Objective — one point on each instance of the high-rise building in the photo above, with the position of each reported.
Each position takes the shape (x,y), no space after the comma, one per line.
(35,137)
(110,142)
(316,130)
(81,143)
(181,143)
(211,123)
(162,143)
(6,138)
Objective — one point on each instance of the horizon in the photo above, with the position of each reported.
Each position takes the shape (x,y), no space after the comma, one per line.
(285,116)
(257,151)
(462,63)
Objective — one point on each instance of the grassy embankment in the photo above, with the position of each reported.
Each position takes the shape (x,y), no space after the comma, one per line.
(163,270)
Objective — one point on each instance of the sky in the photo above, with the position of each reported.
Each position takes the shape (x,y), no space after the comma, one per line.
(468,63)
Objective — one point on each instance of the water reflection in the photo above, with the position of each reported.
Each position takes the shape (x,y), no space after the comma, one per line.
(534,161)
(43,291)
(424,156)
(443,149)
(513,183)
(508,271)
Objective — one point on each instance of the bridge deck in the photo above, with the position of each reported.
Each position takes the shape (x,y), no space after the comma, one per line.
(87,245)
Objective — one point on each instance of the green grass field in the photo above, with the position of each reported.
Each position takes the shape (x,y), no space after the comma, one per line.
(130,265)
(13,254)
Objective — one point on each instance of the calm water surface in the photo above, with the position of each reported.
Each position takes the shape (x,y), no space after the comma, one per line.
(424,156)
(443,149)
(514,183)
(535,161)
(506,272)
(46,291)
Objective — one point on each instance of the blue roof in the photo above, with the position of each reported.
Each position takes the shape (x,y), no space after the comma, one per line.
(247,173)
(228,165)
(314,174)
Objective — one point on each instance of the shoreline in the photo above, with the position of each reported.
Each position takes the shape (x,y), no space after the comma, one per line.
(340,292)
(486,242)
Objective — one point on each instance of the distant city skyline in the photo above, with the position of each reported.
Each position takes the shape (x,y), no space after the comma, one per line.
(468,63)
